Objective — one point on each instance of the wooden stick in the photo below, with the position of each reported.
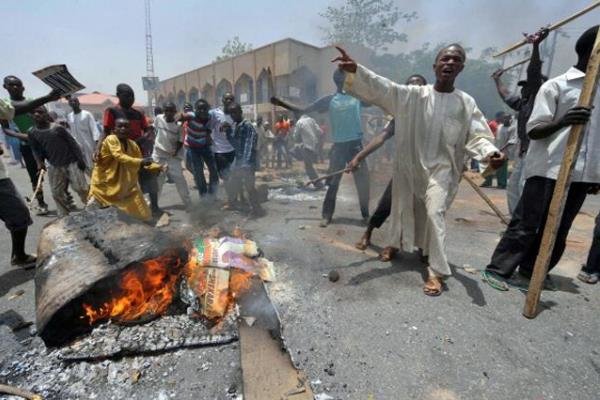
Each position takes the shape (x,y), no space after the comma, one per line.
(561,189)
(516,64)
(341,171)
(15,391)
(486,199)
(552,27)
(38,187)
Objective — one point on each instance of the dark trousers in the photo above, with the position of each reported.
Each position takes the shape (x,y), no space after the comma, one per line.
(244,179)
(197,158)
(501,175)
(592,265)
(384,208)
(309,157)
(281,151)
(520,243)
(32,171)
(223,162)
(341,154)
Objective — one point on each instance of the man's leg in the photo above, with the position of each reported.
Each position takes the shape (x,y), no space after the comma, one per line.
(58,177)
(361,179)
(195,160)
(213,175)
(382,212)
(575,199)
(590,271)
(502,175)
(15,215)
(513,189)
(175,172)
(249,184)
(336,162)
(308,157)
(78,182)
(523,230)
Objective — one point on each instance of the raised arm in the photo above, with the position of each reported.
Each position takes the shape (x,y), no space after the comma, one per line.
(534,69)
(320,106)
(25,106)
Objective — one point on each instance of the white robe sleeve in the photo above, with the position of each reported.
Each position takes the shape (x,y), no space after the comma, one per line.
(375,89)
(93,128)
(479,141)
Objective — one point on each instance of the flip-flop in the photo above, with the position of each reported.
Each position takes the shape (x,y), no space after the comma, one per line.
(433,291)
(585,277)
(362,245)
(495,281)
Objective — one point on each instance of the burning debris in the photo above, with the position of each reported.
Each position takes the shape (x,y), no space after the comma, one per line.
(133,274)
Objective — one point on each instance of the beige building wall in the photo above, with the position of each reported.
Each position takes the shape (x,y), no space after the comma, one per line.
(290,69)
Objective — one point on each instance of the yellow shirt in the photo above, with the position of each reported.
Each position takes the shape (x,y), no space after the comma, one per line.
(115,177)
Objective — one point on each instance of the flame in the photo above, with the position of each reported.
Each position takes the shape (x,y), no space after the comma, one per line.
(144,290)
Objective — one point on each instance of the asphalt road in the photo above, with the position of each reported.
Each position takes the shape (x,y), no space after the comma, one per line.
(373,334)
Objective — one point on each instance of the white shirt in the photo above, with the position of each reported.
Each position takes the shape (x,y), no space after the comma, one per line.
(220,142)
(84,130)
(308,131)
(168,137)
(552,102)
(507,140)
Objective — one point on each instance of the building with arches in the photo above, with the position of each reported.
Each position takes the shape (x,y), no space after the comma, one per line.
(293,70)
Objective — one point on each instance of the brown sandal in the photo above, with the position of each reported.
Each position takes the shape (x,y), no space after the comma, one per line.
(388,253)
(433,286)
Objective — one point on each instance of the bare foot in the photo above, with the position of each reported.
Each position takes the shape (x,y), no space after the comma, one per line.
(365,241)
(388,253)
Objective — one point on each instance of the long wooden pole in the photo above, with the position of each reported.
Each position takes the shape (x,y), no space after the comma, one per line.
(552,27)
(516,64)
(561,189)
(486,199)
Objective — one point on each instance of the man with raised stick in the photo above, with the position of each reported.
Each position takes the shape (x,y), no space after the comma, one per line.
(440,126)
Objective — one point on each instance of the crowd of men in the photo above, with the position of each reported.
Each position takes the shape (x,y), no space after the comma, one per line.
(435,128)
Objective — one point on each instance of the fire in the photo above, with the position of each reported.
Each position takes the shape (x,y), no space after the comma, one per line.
(216,287)
(144,290)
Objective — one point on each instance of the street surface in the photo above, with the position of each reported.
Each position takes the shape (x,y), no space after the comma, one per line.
(374,334)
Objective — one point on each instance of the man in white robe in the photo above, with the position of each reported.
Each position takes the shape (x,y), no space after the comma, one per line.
(440,126)
(84,130)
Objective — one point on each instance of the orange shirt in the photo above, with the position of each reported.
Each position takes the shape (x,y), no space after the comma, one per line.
(282,128)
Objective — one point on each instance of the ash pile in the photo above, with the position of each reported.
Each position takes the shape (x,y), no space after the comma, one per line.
(127,310)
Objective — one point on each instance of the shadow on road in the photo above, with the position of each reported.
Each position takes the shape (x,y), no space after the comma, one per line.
(471,286)
(403,262)
(14,277)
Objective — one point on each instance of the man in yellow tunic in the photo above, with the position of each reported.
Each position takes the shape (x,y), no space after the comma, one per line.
(115,175)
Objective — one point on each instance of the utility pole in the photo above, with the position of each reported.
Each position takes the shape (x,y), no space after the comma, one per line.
(151,81)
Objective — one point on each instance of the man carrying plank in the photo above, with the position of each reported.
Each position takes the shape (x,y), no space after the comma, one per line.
(554,112)
(440,126)
(524,105)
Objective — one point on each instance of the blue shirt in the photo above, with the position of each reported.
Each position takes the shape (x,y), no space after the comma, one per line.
(344,115)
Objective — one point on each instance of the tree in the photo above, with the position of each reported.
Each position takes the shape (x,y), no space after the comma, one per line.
(370,23)
(474,79)
(232,48)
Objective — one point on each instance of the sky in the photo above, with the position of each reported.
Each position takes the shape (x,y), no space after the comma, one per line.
(103,41)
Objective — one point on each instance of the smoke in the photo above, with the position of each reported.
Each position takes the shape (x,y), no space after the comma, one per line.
(483,24)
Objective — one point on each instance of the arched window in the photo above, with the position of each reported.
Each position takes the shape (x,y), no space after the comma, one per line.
(264,86)
(244,90)
(223,87)
(181,99)
(193,95)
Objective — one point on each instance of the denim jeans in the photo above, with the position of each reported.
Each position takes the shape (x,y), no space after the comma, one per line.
(341,154)
(196,158)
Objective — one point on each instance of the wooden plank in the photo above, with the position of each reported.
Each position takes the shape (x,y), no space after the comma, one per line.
(267,370)
(561,190)
(551,27)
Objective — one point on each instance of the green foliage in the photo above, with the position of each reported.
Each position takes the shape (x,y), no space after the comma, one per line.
(370,23)
(232,48)
(475,78)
